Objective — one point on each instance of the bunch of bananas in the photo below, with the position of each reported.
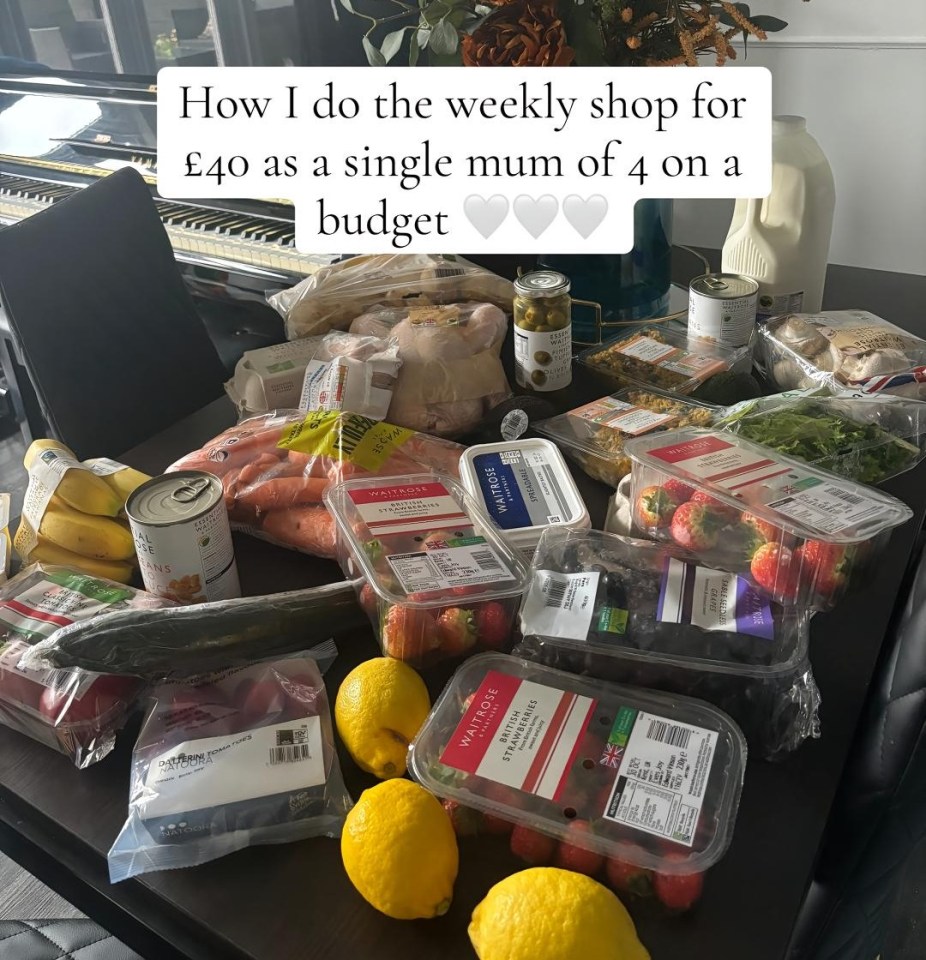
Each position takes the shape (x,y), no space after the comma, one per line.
(81,526)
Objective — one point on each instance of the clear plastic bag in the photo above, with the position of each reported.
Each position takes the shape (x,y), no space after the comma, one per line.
(240,759)
(842,349)
(275,469)
(73,711)
(339,371)
(638,612)
(452,372)
(867,438)
(336,295)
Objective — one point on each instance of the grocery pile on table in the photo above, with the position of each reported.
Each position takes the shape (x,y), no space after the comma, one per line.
(608,684)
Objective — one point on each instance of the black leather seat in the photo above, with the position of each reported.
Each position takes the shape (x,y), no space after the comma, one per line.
(60,940)
(101,317)
(880,810)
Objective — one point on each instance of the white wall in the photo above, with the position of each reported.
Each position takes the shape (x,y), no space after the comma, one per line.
(857,71)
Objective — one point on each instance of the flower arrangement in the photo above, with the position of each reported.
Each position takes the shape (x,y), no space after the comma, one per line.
(557,33)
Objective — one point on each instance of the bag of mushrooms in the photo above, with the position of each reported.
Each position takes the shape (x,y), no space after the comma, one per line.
(842,350)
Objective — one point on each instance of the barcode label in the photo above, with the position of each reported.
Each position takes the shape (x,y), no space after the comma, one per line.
(556,594)
(829,508)
(445,272)
(663,777)
(486,560)
(460,565)
(292,753)
(844,495)
(560,605)
(669,733)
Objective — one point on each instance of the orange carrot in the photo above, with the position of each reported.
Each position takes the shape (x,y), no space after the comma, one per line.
(256,468)
(309,529)
(285,492)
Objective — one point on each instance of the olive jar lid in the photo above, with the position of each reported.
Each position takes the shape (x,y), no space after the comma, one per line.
(542,283)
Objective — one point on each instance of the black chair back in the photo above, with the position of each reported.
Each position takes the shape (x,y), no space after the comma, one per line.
(880,810)
(107,330)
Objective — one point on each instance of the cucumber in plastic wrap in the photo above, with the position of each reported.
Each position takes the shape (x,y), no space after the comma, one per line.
(183,641)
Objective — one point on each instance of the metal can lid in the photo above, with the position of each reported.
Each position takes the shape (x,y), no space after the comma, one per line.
(173,498)
(724,286)
(542,283)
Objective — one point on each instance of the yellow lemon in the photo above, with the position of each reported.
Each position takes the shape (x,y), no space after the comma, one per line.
(380,706)
(400,852)
(549,914)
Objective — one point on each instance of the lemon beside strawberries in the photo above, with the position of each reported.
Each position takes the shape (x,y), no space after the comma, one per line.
(545,913)
(400,852)
(381,705)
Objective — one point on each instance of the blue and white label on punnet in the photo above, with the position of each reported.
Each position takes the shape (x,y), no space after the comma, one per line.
(522,488)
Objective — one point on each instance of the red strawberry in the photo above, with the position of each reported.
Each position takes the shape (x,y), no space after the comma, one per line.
(535,848)
(681,891)
(457,630)
(695,526)
(491,823)
(493,625)
(825,565)
(724,510)
(465,820)
(679,491)
(409,633)
(776,570)
(655,507)
(569,856)
(768,531)
(628,877)
(368,600)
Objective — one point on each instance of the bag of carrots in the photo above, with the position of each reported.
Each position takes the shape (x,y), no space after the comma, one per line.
(276,467)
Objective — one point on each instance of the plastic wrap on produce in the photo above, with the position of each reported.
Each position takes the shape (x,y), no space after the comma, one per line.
(593,435)
(658,355)
(74,711)
(865,438)
(336,295)
(842,350)
(236,759)
(639,612)
(452,373)
(798,533)
(181,641)
(276,468)
(339,371)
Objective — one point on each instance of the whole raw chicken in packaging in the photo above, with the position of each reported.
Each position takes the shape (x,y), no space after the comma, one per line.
(451,373)
(334,296)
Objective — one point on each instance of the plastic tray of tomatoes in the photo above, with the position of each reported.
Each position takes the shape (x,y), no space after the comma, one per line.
(600,777)
(438,579)
(800,534)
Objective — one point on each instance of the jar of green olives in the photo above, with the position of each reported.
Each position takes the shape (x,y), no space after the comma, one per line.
(542,331)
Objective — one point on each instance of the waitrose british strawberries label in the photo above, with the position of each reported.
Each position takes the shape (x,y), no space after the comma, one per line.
(520,733)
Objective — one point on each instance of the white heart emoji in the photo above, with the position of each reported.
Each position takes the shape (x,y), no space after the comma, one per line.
(486,215)
(535,214)
(585,215)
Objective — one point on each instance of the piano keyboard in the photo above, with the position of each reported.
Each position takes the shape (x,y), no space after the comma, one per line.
(261,242)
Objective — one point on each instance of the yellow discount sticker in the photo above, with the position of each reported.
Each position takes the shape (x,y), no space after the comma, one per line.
(345,436)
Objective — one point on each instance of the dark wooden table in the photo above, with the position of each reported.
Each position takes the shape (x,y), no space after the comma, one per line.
(294,902)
